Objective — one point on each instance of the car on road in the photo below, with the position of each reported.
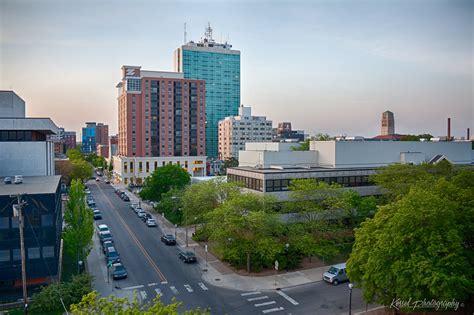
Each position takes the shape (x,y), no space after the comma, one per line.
(141,214)
(168,239)
(151,223)
(336,274)
(105,236)
(133,206)
(106,245)
(138,209)
(125,198)
(119,271)
(117,191)
(102,228)
(91,203)
(146,217)
(187,256)
(7,180)
(112,255)
(97,215)
(97,179)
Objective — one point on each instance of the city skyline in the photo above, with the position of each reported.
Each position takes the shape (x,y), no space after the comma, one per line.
(341,64)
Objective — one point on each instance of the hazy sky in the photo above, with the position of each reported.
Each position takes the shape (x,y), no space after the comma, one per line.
(326,66)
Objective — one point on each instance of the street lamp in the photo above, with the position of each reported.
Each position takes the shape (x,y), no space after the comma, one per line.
(286,254)
(351,286)
(175,230)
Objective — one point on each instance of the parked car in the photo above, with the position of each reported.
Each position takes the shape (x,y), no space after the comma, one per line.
(116,190)
(119,271)
(168,239)
(18,179)
(151,223)
(97,179)
(146,217)
(141,214)
(125,198)
(7,180)
(336,274)
(187,257)
(102,228)
(91,203)
(133,206)
(105,236)
(107,181)
(112,255)
(137,209)
(97,215)
(106,245)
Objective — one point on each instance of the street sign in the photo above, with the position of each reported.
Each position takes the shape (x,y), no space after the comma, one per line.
(276,264)
(109,264)
(205,248)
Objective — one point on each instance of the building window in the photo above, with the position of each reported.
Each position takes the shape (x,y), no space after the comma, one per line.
(16,254)
(140,166)
(4,223)
(47,220)
(125,167)
(48,251)
(147,165)
(4,255)
(33,253)
(131,167)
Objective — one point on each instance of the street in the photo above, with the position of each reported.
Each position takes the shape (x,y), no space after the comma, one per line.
(154,268)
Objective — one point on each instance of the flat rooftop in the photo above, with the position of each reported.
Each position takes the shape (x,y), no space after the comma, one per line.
(298,169)
(31,185)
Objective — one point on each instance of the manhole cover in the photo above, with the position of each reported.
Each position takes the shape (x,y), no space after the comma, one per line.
(324,306)
(217,279)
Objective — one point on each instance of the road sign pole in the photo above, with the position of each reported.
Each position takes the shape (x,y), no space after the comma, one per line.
(276,271)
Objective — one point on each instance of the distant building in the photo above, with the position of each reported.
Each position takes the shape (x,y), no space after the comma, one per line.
(388,124)
(102,134)
(219,66)
(89,138)
(25,145)
(69,140)
(113,145)
(270,167)
(235,131)
(284,133)
(102,150)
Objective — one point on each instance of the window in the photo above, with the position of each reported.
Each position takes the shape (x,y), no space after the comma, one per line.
(140,166)
(269,185)
(4,255)
(48,251)
(16,254)
(33,253)
(147,165)
(47,220)
(4,223)
(125,167)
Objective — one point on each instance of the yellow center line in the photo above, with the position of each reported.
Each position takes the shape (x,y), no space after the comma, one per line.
(145,253)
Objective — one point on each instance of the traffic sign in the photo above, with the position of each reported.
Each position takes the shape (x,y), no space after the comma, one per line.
(109,264)
(276,264)
(205,248)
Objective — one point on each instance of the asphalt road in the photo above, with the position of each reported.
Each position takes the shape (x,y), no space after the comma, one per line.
(154,268)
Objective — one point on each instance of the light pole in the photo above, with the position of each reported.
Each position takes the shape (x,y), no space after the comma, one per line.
(17,212)
(286,254)
(351,286)
(175,230)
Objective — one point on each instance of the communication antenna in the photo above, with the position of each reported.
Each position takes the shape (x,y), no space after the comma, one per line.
(208,33)
(185,33)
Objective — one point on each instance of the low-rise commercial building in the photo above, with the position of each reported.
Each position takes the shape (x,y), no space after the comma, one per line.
(270,167)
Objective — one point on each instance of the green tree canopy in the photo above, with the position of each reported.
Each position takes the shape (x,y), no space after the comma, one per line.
(416,137)
(79,223)
(419,246)
(162,180)
(92,303)
(81,170)
(229,162)
(74,154)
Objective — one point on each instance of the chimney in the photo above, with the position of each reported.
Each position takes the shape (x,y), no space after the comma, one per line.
(449,129)
(468,134)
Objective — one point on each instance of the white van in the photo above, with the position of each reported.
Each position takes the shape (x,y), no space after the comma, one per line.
(336,274)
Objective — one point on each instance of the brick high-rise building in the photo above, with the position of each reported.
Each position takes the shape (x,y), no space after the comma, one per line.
(102,134)
(69,140)
(388,123)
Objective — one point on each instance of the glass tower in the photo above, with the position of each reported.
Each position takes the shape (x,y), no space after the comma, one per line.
(219,66)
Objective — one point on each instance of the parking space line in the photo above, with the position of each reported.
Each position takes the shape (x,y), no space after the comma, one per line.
(173,288)
(188,287)
(288,298)
(271,310)
(203,286)
(158,292)
(134,287)
(143,295)
(266,303)
(152,284)
(258,298)
(250,293)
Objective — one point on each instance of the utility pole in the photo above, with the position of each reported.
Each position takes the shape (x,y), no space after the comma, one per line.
(17,212)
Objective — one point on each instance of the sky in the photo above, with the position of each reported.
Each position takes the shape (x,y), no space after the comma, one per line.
(326,66)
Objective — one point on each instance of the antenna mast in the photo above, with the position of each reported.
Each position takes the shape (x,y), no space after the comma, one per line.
(185,33)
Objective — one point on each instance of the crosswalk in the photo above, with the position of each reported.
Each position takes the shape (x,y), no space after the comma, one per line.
(262,302)
(162,288)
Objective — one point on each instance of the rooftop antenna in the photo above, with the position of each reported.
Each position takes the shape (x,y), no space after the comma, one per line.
(185,33)
(208,33)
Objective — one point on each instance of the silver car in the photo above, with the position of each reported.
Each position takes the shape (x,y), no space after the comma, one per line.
(336,274)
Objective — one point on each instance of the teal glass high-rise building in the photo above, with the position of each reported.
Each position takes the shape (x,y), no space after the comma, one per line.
(219,66)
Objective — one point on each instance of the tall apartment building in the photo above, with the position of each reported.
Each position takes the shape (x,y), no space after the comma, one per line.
(113,145)
(161,115)
(69,140)
(89,137)
(102,134)
(388,123)
(219,66)
(235,131)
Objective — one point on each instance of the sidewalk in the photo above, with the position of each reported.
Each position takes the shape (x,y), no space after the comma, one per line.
(216,272)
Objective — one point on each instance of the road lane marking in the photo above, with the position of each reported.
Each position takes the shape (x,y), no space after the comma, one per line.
(152,284)
(158,292)
(250,293)
(203,286)
(266,303)
(145,253)
(173,288)
(289,299)
(134,287)
(143,295)
(271,310)
(258,298)
(164,282)
(188,287)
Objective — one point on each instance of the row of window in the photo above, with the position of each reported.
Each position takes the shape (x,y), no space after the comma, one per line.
(33,218)
(21,135)
(7,255)
(248,182)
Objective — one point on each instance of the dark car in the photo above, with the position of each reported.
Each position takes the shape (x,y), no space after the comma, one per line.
(187,257)
(168,239)
(125,198)
(117,191)
(112,255)
(97,215)
(107,181)
(119,271)
(105,236)
(7,180)
(106,245)
(146,216)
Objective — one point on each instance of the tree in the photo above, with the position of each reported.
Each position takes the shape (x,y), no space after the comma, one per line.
(419,246)
(79,223)
(92,303)
(65,169)
(244,226)
(48,300)
(229,162)
(416,137)
(74,154)
(162,180)
(81,170)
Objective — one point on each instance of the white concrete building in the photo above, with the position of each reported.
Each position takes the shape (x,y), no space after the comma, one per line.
(24,145)
(236,131)
(270,167)
(134,170)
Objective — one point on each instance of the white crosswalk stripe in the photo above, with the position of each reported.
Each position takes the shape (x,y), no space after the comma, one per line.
(288,298)
(158,292)
(143,295)
(266,303)
(188,287)
(258,298)
(173,288)
(251,293)
(271,310)
(203,286)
